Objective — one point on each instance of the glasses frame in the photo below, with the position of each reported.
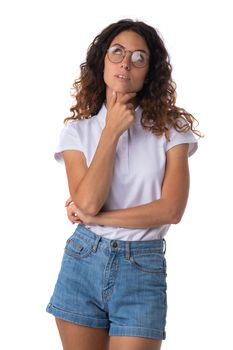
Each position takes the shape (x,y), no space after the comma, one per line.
(121,57)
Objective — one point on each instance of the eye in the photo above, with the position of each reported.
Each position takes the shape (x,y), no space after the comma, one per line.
(138,56)
(116,50)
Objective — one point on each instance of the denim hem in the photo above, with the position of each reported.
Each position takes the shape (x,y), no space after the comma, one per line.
(137,332)
(76,318)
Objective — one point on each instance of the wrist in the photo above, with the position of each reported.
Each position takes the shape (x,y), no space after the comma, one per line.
(90,220)
(94,220)
(110,134)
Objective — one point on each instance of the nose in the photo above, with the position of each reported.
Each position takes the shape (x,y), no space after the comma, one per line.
(126,63)
(125,66)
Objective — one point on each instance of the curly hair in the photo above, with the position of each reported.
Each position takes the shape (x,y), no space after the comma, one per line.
(158,95)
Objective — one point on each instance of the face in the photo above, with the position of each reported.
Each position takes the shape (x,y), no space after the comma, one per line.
(124,76)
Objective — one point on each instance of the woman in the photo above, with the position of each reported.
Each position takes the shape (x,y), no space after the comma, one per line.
(125,149)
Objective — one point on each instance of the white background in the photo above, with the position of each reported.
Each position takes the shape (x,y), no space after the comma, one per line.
(42,44)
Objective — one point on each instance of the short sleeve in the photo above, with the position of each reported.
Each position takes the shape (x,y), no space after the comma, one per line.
(69,140)
(177,138)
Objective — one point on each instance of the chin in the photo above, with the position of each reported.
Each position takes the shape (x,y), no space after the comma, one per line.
(124,89)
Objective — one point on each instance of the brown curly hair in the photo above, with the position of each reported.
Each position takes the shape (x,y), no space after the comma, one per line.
(158,95)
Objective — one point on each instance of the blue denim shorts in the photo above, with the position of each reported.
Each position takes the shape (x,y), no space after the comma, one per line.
(112,284)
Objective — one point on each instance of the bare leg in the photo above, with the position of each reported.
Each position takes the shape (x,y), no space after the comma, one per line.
(77,337)
(133,343)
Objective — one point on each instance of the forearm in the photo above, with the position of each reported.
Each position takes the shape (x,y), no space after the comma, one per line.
(156,213)
(93,189)
(89,186)
(166,210)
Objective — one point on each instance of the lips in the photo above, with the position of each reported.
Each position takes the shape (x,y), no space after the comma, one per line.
(122,76)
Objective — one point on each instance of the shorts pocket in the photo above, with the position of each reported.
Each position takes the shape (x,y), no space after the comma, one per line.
(149,262)
(77,247)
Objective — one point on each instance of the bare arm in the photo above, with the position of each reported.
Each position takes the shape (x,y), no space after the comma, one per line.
(166,210)
(89,187)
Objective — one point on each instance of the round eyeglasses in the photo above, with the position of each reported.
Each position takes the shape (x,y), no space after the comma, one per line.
(116,54)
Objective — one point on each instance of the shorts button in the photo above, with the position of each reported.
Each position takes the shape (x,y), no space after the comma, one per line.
(114,244)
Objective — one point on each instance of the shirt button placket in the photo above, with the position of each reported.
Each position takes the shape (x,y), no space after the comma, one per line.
(125,155)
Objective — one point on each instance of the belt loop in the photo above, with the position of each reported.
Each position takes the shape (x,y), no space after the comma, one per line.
(127,250)
(95,246)
(164,246)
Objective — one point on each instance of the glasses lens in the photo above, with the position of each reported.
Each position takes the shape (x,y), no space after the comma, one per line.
(116,54)
(139,59)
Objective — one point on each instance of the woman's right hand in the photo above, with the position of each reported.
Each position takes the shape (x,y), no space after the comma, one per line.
(71,210)
(120,113)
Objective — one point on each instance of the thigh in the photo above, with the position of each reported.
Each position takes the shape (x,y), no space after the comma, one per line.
(77,337)
(138,304)
(133,343)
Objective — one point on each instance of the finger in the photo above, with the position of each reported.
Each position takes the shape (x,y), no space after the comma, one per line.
(75,218)
(130,106)
(126,97)
(77,222)
(71,218)
(112,100)
(68,201)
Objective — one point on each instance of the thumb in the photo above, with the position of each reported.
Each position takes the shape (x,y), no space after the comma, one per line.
(112,99)
(68,202)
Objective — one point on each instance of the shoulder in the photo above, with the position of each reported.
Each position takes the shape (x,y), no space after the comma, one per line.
(76,125)
(79,128)
(88,123)
(177,138)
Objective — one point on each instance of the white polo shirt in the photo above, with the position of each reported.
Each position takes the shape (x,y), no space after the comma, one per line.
(138,169)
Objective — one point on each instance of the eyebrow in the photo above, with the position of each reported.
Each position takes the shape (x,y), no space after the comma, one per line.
(141,50)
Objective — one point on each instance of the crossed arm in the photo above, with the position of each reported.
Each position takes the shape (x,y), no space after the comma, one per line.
(89,186)
(166,210)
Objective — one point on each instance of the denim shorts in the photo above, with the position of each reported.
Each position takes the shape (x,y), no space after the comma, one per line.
(112,284)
